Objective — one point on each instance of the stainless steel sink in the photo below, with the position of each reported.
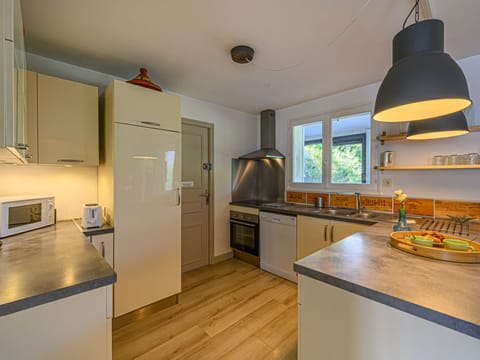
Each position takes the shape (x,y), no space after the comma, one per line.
(339,212)
(363,215)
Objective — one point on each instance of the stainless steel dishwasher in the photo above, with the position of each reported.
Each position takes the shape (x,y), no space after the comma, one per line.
(278,244)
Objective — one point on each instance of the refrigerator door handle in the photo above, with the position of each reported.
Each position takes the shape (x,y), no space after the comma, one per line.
(179,199)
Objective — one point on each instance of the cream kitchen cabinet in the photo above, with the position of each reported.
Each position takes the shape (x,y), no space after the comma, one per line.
(64,117)
(339,230)
(337,324)
(32,123)
(76,327)
(314,233)
(104,245)
(146,107)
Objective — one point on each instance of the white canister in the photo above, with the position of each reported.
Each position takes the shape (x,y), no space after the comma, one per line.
(387,158)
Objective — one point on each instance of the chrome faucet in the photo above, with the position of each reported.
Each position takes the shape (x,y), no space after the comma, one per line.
(358,203)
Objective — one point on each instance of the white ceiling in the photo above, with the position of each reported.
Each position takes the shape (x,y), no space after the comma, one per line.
(304,49)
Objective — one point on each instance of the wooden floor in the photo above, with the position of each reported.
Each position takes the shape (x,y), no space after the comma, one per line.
(231,310)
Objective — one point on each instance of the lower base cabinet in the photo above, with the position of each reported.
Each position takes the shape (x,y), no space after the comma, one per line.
(337,324)
(314,233)
(76,328)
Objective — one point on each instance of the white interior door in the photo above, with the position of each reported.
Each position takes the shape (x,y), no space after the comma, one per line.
(147,216)
(196,196)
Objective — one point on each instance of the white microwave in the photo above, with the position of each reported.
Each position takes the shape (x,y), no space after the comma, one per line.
(24,213)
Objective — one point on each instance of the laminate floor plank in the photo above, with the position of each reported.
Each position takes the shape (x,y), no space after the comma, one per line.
(228,339)
(287,350)
(252,349)
(164,325)
(137,340)
(275,332)
(237,311)
(189,299)
(177,346)
(229,310)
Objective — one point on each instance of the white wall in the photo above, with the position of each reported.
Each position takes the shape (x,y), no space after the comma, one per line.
(235,133)
(440,184)
(72,187)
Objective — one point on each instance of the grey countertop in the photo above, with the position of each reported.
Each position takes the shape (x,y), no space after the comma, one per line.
(104,229)
(49,264)
(366,264)
(308,210)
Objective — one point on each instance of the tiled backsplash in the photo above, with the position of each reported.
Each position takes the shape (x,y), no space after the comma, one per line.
(415,206)
(297,197)
(418,206)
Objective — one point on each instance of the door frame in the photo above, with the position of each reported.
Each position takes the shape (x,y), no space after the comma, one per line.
(211,204)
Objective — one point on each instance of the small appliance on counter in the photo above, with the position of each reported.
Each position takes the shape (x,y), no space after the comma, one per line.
(23,213)
(92,216)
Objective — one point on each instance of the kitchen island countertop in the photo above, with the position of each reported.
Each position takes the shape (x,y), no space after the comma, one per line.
(48,264)
(366,264)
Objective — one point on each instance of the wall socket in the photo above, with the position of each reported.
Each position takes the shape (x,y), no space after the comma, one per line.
(387,182)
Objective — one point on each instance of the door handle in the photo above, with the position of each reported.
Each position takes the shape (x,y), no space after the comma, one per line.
(331,234)
(20,146)
(206,195)
(179,199)
(70,160)
(103,248)
(325,232)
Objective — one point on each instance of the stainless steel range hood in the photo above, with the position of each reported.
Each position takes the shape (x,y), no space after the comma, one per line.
(267,139)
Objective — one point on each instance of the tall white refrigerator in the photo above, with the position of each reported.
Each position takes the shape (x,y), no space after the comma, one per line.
(139,185)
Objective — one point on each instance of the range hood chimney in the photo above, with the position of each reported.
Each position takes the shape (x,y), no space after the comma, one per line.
(267,139)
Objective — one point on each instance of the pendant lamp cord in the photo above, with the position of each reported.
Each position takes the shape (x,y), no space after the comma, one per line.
(417,13)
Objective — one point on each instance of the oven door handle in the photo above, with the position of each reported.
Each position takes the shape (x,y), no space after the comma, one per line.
(243,223)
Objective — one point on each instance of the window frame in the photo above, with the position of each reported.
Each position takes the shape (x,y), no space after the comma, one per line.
(326,184)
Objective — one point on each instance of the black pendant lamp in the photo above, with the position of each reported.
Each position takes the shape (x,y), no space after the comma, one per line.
(441,127)
(424,81)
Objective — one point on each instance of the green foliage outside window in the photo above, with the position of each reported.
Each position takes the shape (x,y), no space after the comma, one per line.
(312,163)
(346,163)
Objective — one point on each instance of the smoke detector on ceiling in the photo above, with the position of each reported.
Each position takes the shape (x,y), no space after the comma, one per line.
(242,54)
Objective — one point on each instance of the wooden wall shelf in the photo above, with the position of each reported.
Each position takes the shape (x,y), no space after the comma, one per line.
(428,167)
(403,136)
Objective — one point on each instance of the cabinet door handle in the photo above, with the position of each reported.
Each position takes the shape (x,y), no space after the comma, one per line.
(331,234)
(150,123)
(179,199)
(20,146)
(70,160)
(325,232)
(103,248)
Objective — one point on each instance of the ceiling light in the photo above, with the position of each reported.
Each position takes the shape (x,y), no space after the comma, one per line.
(424,81)
(242,54)
(441,127)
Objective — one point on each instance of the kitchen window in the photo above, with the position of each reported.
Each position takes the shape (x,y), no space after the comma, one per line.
(332,151)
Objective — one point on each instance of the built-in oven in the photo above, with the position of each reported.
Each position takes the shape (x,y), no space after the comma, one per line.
(244,232)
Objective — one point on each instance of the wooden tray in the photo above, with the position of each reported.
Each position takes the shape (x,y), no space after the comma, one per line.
(401,240)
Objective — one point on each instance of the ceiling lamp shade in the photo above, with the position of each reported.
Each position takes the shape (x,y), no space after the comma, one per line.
(424,81)
(441,127)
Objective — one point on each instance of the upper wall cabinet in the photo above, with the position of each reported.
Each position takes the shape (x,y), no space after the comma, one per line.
(13,145)
(67,120)
(145,107)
